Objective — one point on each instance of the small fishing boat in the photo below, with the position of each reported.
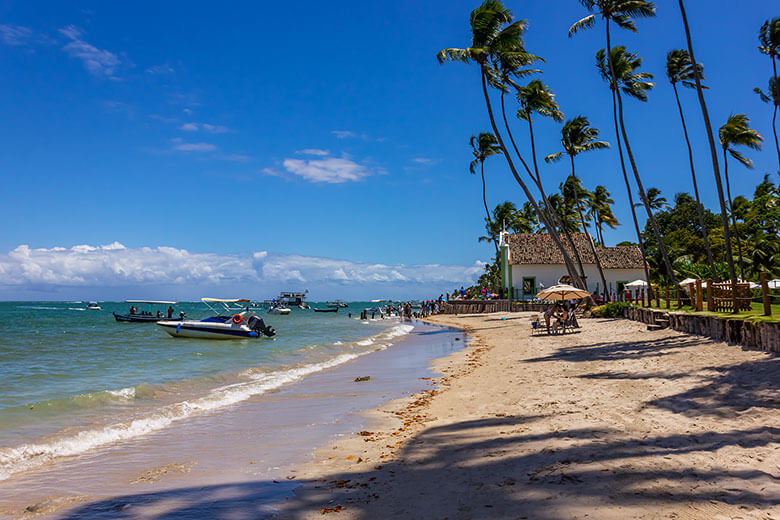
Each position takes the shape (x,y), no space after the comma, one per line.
(337,304)
(232,320)
(93,306)
(327,309)
(154,314)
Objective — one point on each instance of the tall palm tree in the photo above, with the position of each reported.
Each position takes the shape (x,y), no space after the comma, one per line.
(564,208)
(634,85)
(482,147)
(737,132)
(600,207)
(769,36)
(679,69)
(577,136)
(772,95)
(711,141)
(507,216)
(538,98)
(494,33)
(622,12)
(656,200)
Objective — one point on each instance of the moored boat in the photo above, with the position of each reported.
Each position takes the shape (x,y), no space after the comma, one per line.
(93,306)
(153,315)
(327,309)
(233,320)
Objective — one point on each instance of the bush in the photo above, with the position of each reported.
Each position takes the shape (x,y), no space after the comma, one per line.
(610,310)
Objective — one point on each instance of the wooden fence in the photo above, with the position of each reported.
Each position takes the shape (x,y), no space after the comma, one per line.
(474,306)
(727,295)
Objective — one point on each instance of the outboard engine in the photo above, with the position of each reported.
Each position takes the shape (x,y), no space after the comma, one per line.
(258,325)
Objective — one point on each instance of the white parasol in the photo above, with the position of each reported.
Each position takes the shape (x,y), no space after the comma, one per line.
(562,292)
(636,283)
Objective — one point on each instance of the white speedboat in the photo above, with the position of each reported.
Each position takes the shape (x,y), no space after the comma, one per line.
(279,309)
(93,306)
(233,320)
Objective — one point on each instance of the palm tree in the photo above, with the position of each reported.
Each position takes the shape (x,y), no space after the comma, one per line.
(577,136)
(679,69)
(772,95)
(634,85)
(713,150)
(622,12)
(737,132)
(656,201)
(600,207)
(483,146)
(494,33)
(506,216)
(769,36)
(567,215)
(538,98)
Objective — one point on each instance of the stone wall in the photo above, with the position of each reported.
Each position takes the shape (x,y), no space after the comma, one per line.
(761,335)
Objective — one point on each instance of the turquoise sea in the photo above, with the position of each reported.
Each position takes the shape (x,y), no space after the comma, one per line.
(73,380)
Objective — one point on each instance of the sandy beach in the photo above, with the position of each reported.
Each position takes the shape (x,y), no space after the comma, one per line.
(610,422)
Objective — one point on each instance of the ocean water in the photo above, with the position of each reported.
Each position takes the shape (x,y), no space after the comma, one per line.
(74,380)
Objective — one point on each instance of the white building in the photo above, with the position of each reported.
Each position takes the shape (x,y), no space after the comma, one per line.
(531,262)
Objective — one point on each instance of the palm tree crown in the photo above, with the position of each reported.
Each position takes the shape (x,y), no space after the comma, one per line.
(769,36)
(620,12)
(679,68)
(482,146)
(737,132)
(772,94)
(577,136)
(631,83)
(536,97)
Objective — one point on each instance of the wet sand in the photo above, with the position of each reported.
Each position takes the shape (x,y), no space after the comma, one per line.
(610,422)
(234,463)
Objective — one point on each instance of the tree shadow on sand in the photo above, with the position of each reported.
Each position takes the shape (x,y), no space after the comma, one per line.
(617,350)
(509,467)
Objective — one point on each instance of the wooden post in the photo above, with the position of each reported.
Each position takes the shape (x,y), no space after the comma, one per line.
(677,290)
(657,298)
(699,306)
(765,295)
(734,300)
(710,303)
(668,300)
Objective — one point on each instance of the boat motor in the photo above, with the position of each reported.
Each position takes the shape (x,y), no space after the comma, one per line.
(258,325)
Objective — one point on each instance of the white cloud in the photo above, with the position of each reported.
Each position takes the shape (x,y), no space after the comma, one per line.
(425,161)
(163,68)
(114,265)
(98,62)
(236,157)
(343,134)
(327,169)
(192,147)
(313,151)
(15,35)
(205,127)
(189,127)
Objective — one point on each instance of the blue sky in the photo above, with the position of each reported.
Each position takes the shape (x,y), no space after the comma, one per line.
(329,134)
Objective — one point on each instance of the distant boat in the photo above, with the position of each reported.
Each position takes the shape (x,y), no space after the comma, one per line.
(337,304)
(243,324)
(93,306)
(292,298)
(328,309)
(153,315)
(279,309)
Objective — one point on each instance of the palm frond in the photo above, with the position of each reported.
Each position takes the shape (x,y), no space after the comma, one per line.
(581,25)
(736,154)
(454,54)
(553,157)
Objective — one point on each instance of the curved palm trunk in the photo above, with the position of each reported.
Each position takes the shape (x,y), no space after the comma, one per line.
(774,115)
(585,228)
(653,223)
(713,151)
(628,191)
(542,217)
(699,208)
(731,210)
(484,201)
(538,181)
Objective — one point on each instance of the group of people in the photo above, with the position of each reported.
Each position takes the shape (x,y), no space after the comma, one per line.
(134,310)
(559,316)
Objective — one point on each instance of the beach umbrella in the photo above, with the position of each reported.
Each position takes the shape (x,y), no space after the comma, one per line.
(562,292)
(688,280)
(636,283)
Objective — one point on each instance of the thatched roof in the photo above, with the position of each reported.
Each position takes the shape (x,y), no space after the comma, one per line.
(530,248)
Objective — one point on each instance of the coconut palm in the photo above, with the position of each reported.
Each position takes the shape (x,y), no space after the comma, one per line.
(656,201)
(577,136)
(494,34)
(622,13)
(564,208)
(506,216)
(600,207)
(769,36)
(635,85)
(711,141)
(679,69)
(483,146)
(737,132)
(772,95)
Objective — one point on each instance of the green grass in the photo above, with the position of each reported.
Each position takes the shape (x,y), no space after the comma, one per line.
(756,314)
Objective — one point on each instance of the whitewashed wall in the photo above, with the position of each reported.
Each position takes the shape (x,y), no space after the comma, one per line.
(549,274)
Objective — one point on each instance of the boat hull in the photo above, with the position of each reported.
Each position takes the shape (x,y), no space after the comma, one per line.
(140,318)
(329,309)
(206,330)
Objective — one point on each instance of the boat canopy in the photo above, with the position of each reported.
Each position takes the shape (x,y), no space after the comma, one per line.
(221,300)
(159,302)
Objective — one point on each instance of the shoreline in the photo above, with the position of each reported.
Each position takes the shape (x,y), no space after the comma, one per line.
(250,449)
(610,422)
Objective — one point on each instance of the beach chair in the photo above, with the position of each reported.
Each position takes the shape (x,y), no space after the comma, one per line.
(537,324)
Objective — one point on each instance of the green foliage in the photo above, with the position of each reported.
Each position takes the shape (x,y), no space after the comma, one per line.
(610,310)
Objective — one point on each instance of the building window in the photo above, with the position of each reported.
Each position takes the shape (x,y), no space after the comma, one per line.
(529,286)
